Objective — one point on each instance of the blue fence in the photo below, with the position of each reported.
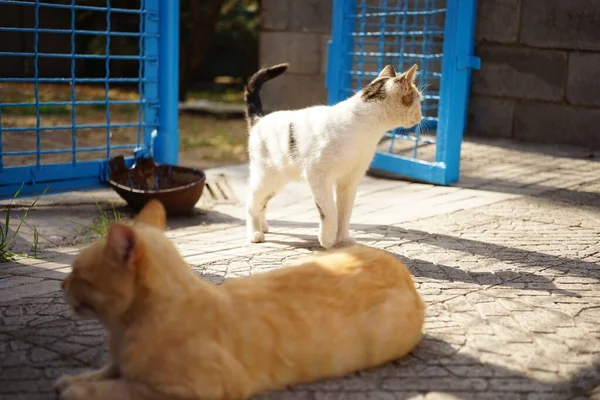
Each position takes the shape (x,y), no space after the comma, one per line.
(435,34)
(59,126)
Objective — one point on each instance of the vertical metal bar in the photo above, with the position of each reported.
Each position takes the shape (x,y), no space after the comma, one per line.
(106,78)
(36,83)
(341,49)
(150,78)
(1,145)
(166,144)
(73,106)
(423,76)
(382,26)
(361,45)
(404,36)
(335,65)
(458,43)
(140,72)
(400,62)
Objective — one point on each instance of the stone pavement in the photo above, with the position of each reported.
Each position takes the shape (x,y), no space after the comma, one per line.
(508,262)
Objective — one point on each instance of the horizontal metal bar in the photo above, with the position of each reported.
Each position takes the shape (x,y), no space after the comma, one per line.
(76,56)
(51,172)
(433,172)
(430,32)
(391,41)
(433,74)
(402,136)
(75,7)
(385,54)
(76,31)
(63,151)
(390,12)
(425,97)
(76,80)
(79,127)
(60,177)
(54,187)
(76,103)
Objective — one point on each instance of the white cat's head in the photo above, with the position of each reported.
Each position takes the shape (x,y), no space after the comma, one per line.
(395,96)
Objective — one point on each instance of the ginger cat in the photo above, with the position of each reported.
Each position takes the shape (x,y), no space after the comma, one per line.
(171,335)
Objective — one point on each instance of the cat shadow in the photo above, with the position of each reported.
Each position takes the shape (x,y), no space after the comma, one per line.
(438,366)
(72,345)
(214,279)
(200,217)
(427,269)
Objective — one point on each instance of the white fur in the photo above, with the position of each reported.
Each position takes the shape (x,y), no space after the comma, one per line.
(334,147)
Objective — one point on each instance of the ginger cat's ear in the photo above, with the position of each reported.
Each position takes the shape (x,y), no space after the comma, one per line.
(122,240)
(388,71)
(153,214)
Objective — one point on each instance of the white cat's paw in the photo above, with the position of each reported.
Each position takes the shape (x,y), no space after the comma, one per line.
(256,237)
(327,241)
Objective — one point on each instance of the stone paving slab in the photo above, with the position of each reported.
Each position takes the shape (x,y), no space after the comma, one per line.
(509,266)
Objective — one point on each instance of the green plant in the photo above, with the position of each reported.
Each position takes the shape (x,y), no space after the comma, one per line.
(36,239)
(101,225)
(6,237)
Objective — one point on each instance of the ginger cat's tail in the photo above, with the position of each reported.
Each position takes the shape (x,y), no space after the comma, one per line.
(252,91)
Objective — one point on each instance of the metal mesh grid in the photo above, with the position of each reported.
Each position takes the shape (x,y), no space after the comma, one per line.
(37,125)
(402,33)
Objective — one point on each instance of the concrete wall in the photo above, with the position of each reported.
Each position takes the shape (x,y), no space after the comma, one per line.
(295,31)
(540,76)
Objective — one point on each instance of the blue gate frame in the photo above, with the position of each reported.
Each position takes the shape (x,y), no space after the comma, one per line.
(157,105)
(359,23)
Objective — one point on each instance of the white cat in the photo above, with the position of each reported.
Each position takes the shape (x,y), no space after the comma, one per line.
(328,146)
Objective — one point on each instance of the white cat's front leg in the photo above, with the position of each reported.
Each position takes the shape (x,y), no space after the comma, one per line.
(346,192)
(322,190)
(262,189)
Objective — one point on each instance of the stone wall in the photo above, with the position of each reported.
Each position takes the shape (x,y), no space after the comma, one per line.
(295,31)
(540,75)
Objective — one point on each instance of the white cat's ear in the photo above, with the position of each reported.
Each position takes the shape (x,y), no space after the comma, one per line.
(153,214)
(411,74)
(388,71)
(122,241)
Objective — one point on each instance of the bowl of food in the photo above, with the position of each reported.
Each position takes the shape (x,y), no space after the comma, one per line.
(177,188)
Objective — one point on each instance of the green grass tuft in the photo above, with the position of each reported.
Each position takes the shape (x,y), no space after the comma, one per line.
(7,238)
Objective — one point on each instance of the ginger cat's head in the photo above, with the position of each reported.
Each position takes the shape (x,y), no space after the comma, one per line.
(105,277)
(396,95)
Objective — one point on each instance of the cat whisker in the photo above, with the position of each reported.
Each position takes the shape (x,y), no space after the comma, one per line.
(423,88)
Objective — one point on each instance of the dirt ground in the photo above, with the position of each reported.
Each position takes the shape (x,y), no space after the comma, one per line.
(205,141)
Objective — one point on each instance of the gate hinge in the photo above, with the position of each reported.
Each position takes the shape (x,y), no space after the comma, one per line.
(468,61)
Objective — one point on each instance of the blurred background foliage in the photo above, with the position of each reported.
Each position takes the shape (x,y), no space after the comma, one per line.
(218,39)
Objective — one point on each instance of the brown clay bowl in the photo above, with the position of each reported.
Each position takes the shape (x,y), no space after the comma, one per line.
(177,188)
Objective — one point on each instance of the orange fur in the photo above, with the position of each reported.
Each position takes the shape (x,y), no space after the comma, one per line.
(174,336)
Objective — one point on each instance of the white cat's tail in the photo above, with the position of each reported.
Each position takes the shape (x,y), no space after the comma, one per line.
(252,92)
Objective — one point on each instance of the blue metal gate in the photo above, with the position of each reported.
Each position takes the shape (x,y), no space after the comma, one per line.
(435,34)
(61,144)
